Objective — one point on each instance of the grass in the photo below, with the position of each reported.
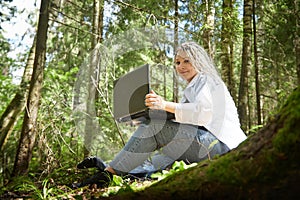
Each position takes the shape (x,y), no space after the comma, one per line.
(56,185)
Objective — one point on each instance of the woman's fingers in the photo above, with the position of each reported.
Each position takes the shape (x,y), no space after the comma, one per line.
(154,101)
(150,100)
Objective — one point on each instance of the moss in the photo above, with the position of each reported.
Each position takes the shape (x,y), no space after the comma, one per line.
(288,138)
(224,170)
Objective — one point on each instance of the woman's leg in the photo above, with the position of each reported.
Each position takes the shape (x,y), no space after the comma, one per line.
(175,141)
(205,146)
(141,145)
(174,137)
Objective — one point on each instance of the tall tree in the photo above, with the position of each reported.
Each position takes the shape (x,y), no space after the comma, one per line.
(227,38)
(17,104)
(176,29)
(209,27)
(93,74)
(256,65)
(246,64)
(297,37)
(28,134)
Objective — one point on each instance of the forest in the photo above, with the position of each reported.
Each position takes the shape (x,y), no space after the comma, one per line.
(60,109)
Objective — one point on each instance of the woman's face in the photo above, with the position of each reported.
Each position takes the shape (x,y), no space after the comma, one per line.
(184,67)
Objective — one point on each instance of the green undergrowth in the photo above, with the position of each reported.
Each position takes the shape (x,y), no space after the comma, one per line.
(121,185)
(39,185)
(57,184)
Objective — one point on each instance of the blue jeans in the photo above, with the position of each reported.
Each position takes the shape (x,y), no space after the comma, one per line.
(157,144)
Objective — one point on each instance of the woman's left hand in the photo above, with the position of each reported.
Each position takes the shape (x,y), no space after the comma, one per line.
(154,101)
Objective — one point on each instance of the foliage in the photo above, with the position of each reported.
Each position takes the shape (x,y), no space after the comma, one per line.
(278,57)
(176,167)
(7,11)
(33,190)
(54,185)
(7,90)
(57,140)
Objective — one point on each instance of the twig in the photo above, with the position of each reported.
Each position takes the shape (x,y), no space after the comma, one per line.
(110,111)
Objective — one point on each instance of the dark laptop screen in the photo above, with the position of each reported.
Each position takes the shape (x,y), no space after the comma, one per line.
(129,93)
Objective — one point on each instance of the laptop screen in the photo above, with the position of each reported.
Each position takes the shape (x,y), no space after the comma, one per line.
(129,93)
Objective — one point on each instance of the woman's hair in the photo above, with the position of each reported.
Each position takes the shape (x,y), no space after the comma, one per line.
(198,58)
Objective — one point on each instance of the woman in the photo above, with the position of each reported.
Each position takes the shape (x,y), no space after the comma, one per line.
(206,123)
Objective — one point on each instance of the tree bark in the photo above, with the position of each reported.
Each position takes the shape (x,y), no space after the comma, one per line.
(208,31)
(17,104)
(256,67)
(297,38)
(227,46)
(176,21)
(28,134)
(246,64)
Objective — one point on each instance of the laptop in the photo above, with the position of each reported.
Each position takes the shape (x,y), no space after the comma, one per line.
(129,97)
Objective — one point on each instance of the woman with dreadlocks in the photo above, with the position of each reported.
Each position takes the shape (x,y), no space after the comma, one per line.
(206,123)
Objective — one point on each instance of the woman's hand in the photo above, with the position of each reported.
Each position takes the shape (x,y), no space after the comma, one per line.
(154,101)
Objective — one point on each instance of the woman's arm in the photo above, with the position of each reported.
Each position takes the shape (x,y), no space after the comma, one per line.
(198,113)
(170,106)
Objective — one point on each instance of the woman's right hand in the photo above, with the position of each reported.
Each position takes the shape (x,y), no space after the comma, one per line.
(154,101)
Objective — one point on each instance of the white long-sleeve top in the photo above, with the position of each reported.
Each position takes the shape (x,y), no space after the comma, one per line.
(207,102)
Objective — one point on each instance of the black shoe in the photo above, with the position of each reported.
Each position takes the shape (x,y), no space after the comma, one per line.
(91,162)
(101,179)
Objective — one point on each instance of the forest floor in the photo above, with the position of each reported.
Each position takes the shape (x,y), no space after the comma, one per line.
(277,187)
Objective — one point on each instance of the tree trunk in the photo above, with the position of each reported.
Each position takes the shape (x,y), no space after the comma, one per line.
(256,68)
(28,134)
(176,21)
(208,31)
(91,120)
(297,38)
(246,64)
(17,104)
(227,46)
